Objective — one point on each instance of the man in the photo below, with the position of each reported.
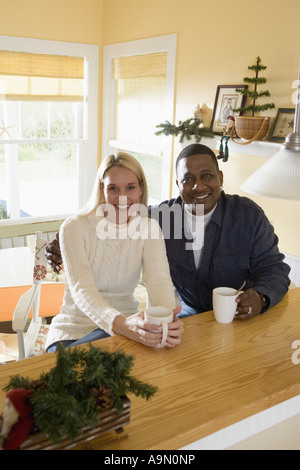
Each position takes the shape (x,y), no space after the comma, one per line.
(238,244)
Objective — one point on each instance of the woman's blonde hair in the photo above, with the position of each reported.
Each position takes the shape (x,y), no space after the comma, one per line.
(122,160)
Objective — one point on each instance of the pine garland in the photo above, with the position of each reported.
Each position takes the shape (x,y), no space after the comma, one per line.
(188,129)
(83,382)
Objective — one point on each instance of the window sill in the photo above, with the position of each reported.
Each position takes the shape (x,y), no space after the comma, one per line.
(32,220)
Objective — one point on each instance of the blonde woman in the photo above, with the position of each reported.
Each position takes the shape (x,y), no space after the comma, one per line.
(104,248)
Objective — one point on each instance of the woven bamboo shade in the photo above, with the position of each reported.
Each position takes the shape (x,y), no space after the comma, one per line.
(25,76)
(138,66)
(139,97)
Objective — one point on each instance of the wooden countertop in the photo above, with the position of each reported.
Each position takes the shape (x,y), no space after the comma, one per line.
(218,375)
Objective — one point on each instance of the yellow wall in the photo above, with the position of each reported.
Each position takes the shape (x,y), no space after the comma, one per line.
(58,20)
(217,40)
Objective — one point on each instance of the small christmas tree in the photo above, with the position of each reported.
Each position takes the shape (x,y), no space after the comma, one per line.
(254,94)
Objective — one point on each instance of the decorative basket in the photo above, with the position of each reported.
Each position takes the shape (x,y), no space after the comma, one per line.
(251,128)
(109,422)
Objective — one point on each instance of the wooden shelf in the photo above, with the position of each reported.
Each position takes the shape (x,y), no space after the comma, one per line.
(262,148)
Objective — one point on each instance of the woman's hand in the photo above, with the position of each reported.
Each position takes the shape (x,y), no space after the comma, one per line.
(137,329)
(249,304)
(175,330)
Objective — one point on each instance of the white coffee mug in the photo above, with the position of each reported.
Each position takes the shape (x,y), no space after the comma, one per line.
(224,304)
(159,316)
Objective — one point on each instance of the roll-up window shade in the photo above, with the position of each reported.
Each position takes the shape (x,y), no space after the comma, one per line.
(25,76)
(139,97)
(138,66)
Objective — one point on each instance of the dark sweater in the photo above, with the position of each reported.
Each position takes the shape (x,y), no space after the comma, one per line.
(239,244)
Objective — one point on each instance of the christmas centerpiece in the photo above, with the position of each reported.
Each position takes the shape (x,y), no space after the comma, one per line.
(189,129)
(253,127)
(83,396)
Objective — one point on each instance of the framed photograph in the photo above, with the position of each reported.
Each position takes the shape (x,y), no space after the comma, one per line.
(283,125)
(227,99)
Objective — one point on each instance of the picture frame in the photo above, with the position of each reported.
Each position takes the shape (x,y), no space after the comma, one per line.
(283,124)
(227,99)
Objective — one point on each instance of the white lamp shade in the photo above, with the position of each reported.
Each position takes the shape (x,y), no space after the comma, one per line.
(279,177)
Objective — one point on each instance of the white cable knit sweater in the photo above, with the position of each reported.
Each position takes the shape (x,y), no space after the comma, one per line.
(102,274)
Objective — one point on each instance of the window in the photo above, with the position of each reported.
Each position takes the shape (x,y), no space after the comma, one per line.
(138,86)
(48,127)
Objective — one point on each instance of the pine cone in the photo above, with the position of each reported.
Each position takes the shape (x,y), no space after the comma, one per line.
(103,396)
(37,385)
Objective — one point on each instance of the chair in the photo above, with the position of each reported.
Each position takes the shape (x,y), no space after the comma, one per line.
(30,301)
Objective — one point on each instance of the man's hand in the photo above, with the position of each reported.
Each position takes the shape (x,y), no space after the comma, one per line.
(53,254)
(249,304)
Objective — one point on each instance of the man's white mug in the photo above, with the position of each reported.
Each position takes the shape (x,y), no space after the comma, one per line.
(224,304)
(159,316)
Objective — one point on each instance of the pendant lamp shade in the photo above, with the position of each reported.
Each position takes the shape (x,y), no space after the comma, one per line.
(280,176)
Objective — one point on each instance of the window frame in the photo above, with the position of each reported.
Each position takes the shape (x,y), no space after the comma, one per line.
(165,43)
(88,164)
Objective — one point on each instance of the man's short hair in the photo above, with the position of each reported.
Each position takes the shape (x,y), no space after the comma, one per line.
(196,149)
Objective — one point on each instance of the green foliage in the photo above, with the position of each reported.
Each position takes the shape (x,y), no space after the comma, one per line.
(258,66)
(254,94)
(186,129)
(255,80)
(66,399)
(17,381)
(3,212)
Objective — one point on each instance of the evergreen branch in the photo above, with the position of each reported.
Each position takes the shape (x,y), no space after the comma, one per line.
(140,388)
(258,80)
(72,394)
(59,415)
(253,94)
(186,129)
(242,91)
(256,108)
(17,381)
(257,68)
(258,94)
